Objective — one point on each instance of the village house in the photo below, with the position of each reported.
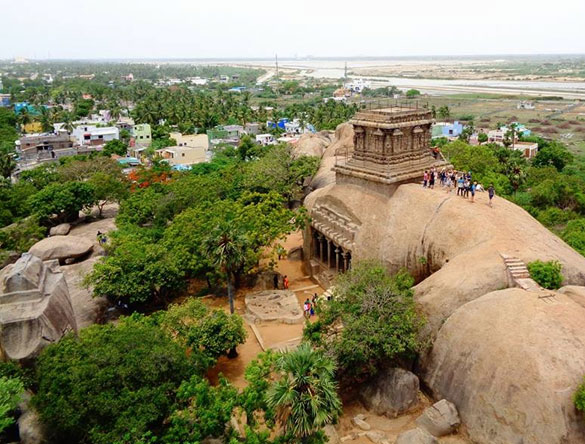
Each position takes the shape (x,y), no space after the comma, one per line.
(142,134)
(94,135)
(191,140)
(182,155)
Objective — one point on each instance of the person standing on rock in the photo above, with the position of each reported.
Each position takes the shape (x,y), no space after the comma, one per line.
(285,282)
(472,188)
(432,175)
(491,193)
(425,179)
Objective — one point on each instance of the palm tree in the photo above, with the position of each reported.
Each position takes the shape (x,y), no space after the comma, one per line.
(305,397)
(227,249)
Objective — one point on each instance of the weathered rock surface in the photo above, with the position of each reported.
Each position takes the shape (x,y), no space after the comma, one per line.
(295,254)
(511,361)
(454,249)
(88,309)
(60,230)
(274,306)
(392,393)
(312,144)
(416,436)
(35,308)
(61,248)
(30,427)
(440,419)
(359,422)
(341,146)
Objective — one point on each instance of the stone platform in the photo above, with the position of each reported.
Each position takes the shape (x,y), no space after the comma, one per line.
(273,306)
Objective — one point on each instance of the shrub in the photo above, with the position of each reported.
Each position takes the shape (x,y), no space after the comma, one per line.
(546,274)
(11,390)
(113,383)
(380,323)
(555,217)
(579,398)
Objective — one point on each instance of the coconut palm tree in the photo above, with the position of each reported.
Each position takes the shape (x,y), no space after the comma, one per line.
(305,396)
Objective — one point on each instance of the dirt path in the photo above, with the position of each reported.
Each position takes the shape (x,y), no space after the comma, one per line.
(274,335)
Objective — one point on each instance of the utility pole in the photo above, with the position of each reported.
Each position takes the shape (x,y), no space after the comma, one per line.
(277,74)
(345,73)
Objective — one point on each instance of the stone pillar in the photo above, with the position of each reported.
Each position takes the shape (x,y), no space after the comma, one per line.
(316,245)
(348,260)
(337,257)
(342,257)
(322,247)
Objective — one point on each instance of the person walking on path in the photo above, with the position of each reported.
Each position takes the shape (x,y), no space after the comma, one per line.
(460,184)
(275,281)
(307,309)
(425,179)
(491,193)
(285,282)
(472,188)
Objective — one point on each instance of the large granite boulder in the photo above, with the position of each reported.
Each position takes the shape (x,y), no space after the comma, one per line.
(511,362)
(35,308)
(312,144)
(274,306)
(60,230)
(62,247)
(392,393)
(440,419)
(341,147)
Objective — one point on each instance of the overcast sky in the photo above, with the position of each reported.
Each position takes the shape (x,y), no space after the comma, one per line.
(260,28)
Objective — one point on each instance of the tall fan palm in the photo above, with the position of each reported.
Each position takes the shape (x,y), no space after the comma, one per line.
(227,249)
(305,397)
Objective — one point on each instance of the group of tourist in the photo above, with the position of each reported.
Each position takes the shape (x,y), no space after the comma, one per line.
(309,306)
(460,180)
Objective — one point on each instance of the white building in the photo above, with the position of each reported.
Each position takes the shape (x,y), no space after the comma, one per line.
(93,135)
(265,139)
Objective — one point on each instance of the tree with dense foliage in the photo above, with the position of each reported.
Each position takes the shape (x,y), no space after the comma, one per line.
(412,93)
(555,154)
(194,325)
(62,201)
(380,322)
(115,147)
(136,272)
(203,412)
(107,189)
(113,383)
(304,395)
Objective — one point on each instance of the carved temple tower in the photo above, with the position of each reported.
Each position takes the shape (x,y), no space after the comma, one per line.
(391,147)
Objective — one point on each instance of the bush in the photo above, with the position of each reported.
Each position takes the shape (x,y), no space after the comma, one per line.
(380,323)
(579,398)
(546,274)
(11,390)
(574,235)
(555,217)
(114,382)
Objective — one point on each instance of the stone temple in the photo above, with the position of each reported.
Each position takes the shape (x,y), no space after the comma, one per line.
(391,147)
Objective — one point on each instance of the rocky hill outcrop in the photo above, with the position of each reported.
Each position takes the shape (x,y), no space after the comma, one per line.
(35,308)
(507,359)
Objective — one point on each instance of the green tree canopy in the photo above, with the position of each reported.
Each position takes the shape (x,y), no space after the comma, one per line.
(380,323)
(113,381)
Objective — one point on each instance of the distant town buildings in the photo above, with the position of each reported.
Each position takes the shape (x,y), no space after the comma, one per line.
(447,129)
(4,100)
(265,139)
